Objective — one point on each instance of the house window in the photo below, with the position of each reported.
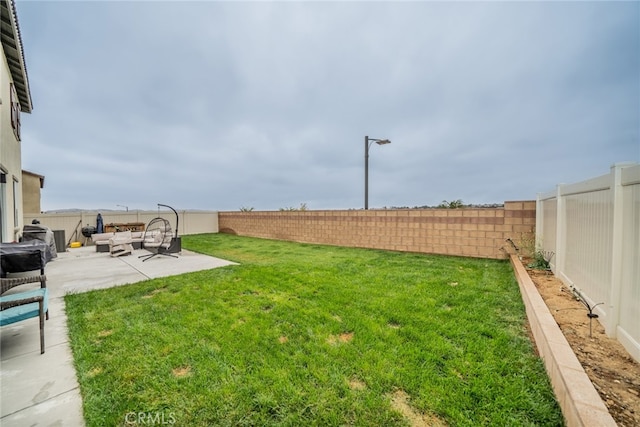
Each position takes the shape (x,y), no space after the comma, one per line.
(15,112)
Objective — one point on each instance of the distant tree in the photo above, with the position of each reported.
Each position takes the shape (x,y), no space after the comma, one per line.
(303,207)
(454,204)
(245,209)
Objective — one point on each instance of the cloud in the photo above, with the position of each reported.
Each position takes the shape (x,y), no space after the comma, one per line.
(219,105)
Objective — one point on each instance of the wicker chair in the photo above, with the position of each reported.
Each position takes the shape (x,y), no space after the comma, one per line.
(19,306)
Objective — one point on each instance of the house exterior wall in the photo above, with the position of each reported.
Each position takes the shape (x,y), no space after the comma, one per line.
(31,185)
(10,163)
(478,233)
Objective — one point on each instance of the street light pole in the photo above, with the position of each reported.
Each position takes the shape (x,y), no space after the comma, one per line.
(366,172)
(367,144)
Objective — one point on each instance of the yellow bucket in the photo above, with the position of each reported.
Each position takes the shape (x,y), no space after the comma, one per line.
(75,245)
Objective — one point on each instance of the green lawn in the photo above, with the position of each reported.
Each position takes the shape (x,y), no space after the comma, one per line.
(311,335)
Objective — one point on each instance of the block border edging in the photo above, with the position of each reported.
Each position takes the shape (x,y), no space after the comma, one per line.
(579,401)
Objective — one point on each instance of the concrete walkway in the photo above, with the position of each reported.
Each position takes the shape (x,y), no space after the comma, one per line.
(42,389)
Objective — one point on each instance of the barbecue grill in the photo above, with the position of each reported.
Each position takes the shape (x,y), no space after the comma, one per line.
(88,231)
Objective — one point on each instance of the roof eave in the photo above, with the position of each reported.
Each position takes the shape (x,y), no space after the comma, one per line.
(12,46)
(37,175)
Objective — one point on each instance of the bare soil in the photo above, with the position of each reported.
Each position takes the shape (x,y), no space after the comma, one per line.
(615,375)
(400,401)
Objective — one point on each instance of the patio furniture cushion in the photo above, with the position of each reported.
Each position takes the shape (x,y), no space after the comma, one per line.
(23,306)
(17,306)
(157,238)
(101,241)
(24,311)
(101,237)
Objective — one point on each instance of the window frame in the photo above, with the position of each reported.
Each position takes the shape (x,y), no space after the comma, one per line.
(15,111)
(16,213)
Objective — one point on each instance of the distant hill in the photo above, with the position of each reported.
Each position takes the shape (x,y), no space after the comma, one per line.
(75,210)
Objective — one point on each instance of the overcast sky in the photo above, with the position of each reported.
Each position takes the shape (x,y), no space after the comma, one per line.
(224,105)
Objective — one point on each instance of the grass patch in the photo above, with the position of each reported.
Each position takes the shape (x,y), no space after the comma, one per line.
(302,334)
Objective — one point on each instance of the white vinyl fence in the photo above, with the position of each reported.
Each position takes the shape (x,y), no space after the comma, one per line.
(593,229)
(189,222)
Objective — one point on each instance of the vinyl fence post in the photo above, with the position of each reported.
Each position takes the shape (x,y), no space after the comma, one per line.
(613,311)
(561,232)
(539,223)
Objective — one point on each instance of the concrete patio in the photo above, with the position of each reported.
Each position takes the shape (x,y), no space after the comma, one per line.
(42,389)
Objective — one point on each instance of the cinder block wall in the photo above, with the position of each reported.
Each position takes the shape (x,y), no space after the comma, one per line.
(467,232)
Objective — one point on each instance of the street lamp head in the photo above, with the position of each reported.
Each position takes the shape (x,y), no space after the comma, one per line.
(383,141)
